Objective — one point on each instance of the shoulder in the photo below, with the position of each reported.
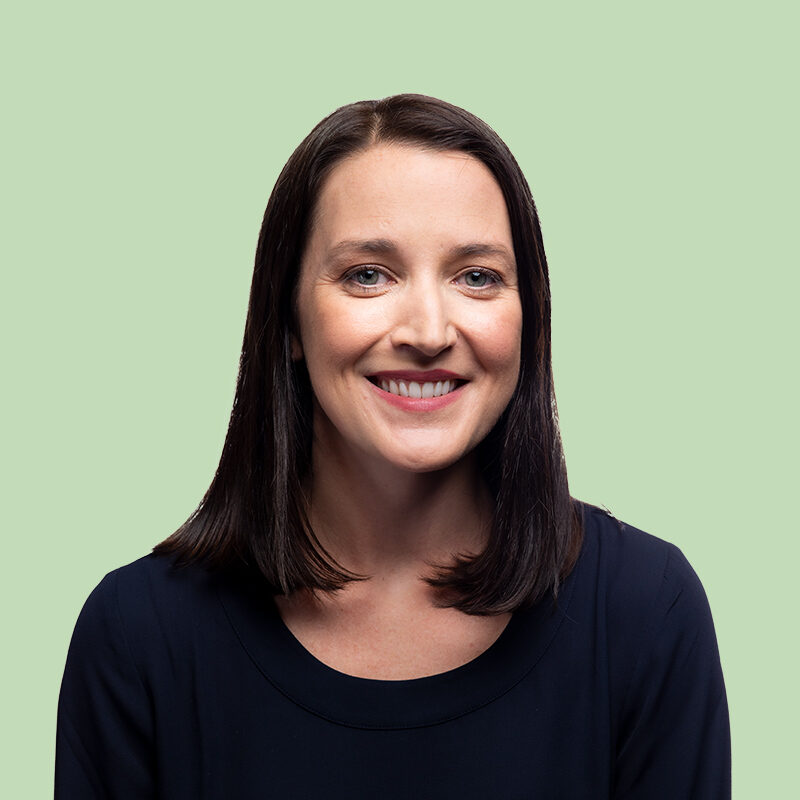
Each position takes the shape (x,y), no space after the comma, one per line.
(640,602)
(643,584)
(655,640)
(634,562)
(146,600)
(150,579)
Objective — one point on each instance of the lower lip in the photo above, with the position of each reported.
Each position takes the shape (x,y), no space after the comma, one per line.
(418,403)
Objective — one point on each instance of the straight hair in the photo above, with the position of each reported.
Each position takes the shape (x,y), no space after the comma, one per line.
(253,518)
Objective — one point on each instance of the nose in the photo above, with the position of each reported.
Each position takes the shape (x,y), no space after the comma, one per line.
(424,322)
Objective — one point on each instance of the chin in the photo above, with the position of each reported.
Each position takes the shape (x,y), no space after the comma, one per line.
(423,462)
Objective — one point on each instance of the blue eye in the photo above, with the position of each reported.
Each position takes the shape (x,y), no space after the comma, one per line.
(367,277)
(478,279)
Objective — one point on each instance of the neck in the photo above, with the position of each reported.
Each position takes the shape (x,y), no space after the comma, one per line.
(385,522)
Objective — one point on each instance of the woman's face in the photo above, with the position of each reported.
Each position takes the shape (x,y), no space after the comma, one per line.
(408,309)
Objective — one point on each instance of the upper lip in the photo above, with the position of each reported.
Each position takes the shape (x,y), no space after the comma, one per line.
(418,376)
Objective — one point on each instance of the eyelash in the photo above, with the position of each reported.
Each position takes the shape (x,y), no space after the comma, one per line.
(350,276)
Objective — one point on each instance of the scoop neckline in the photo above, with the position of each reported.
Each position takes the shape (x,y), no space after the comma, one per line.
(389,704)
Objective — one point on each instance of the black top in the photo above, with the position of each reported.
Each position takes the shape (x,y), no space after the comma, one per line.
(180,683)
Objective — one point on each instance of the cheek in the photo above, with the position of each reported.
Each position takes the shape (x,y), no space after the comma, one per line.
(499,343)
(333,336)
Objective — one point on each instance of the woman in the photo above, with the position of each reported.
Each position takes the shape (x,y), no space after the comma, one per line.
(387,590)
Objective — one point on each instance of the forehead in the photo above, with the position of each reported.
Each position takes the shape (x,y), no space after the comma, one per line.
(425,196)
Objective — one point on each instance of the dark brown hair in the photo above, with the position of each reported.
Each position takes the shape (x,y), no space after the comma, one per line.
(253,515)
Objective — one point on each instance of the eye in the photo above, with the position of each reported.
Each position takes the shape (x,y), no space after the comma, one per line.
(366,276)
(479,279)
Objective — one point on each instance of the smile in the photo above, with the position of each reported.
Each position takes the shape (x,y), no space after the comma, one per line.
(417,390)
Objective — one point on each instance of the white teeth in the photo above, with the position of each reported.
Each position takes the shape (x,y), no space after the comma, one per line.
(417,390)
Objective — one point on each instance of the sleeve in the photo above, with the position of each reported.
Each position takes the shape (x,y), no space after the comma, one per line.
(674,740)
(104,735)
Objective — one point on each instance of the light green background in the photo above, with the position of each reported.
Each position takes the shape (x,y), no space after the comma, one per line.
(141,142)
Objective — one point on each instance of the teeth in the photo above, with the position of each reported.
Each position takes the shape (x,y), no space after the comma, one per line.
(417,390)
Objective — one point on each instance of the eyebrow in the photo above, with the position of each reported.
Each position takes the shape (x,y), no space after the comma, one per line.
(388,247)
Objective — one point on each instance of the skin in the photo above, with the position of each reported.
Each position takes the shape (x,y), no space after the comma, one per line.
(387,284)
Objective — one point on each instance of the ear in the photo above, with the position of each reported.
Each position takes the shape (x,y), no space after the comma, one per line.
(296,348)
